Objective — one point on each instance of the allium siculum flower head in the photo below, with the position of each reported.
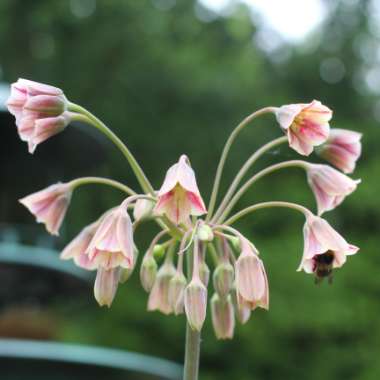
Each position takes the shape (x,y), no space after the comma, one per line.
(196,303)
(251,278)
(223,317)
(77,248)
(223,279)
(177,292)
(329,186)
(324,248)
(49,206)
(342,149)
(40,111)
(112,245)
(306,125)
(179,196)
(148,272)
(159,295)
(106,284)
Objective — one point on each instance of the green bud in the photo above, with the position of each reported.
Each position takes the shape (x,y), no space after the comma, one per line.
(158,251)
(148,272)
(223,279)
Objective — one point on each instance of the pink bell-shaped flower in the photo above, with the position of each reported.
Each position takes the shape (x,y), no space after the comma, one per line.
(306,125)
(105,287)
(179,196)
(49,206)
(342,149)
(324,248)
(112,245)
(40,111)
(76,249)
(329,186)
(251,279)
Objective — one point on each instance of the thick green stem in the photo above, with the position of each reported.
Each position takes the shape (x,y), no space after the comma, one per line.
(225,152)
(86,116)
(193,338)
(256,177)
(104,181)
(262,205)
(255,156)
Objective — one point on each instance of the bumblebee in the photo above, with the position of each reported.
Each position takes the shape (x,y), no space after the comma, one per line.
(324,267)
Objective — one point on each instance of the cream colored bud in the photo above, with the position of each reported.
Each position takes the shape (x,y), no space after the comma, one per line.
(196,304)
(148,272)
(205,233)
(176,292)
(223,318)
(223,279)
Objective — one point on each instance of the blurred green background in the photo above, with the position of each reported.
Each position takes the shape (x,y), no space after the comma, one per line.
(172,77)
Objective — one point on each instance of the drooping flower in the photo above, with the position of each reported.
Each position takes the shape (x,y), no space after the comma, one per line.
(223,317)
(342,149)
(329,186)
(77,248)
(112,245)
(251,278)
(324,248)
(196,303)
(179,196)
(306,125)
(159,295)
(49,206)
(40,111)
(106,284)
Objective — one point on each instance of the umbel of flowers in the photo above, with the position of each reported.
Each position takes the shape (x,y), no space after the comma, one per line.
(205,259)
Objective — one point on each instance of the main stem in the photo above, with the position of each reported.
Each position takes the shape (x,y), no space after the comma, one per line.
(193,338)
(225,152)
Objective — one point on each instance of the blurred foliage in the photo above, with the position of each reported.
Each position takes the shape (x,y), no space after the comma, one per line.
(169,83)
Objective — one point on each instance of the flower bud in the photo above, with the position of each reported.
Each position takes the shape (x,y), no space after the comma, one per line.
(143,209)
(148,272)
(242,310)
(196,303)
(223,318)
(176,292)
(158,251)
(106,285)
(223,278)
(205,233)
(204,273)
(159,295)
